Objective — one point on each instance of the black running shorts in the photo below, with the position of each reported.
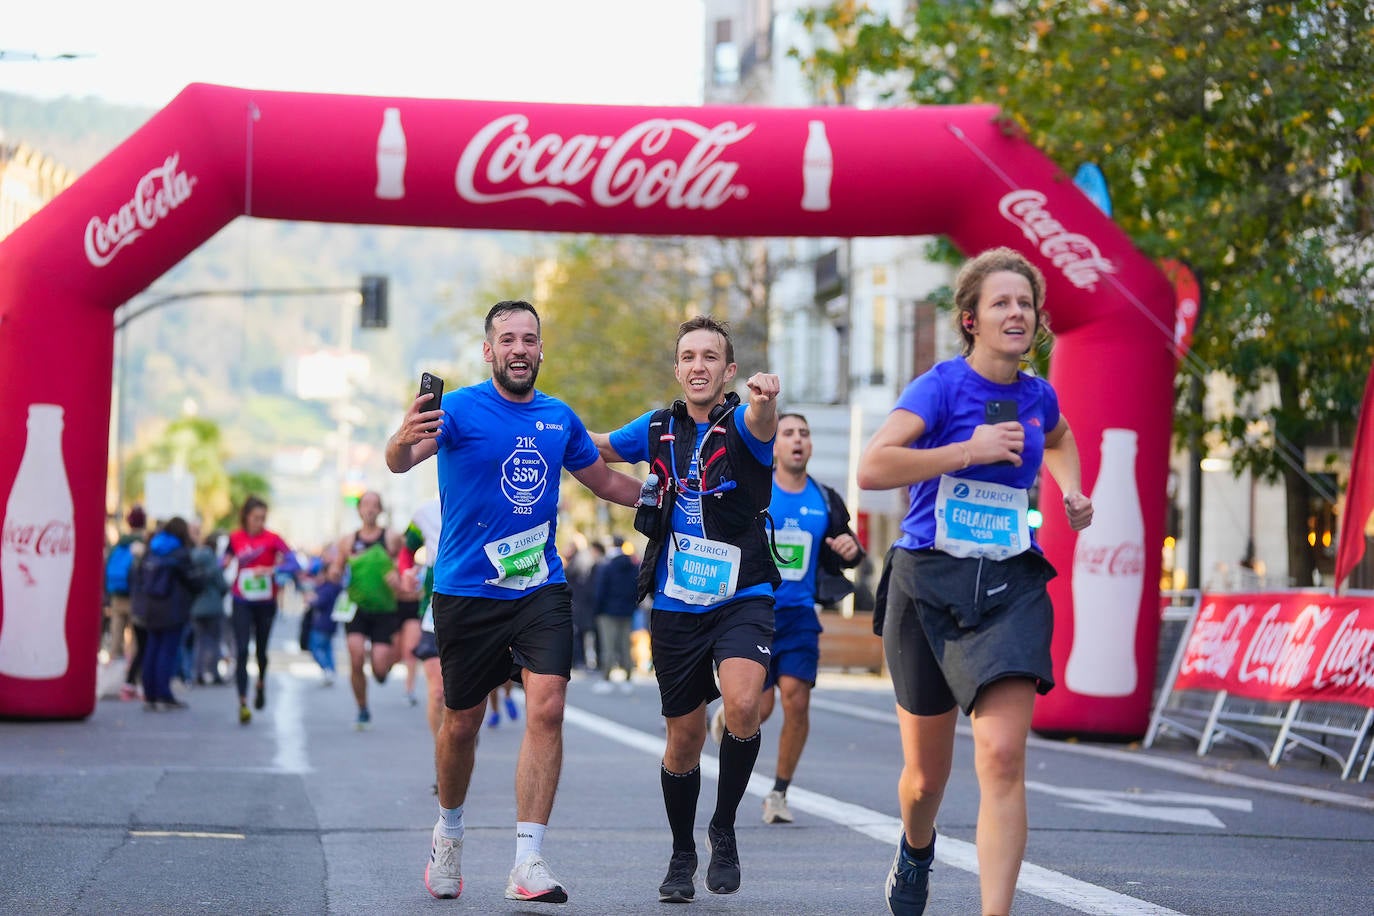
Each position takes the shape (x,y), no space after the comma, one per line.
(686,647)
(378,628)
(484,642)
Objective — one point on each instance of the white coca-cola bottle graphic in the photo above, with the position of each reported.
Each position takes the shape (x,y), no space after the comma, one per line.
(1108,577)
(391,157)
(817,168)
(37,547)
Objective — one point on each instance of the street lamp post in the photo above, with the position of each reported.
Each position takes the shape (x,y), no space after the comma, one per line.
(372,293)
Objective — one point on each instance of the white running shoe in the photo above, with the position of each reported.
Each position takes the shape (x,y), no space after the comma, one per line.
(531,879)
(775,810)
(444,873)
(718,724)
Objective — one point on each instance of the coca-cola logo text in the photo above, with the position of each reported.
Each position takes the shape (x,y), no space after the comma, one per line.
(156,194)
(1281,650)
(1076,256)
(48,539)
(1215,643)
(1349,658)
(629,168)
(1126,559)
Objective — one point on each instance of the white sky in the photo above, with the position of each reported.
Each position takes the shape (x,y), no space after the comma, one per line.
(145,51)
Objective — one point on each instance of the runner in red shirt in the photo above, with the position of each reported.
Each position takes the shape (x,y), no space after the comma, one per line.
(254,553)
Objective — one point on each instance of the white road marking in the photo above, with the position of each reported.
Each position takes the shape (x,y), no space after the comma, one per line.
(1173,807)
(1040,882)
(288,724)
(188,834)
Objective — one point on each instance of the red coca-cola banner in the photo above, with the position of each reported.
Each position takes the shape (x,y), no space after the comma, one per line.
(217,153)
(1282,647)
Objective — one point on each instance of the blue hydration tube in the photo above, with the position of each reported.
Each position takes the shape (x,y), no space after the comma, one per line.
(677,481)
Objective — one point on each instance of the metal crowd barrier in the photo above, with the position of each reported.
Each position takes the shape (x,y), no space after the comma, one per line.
(1277,730)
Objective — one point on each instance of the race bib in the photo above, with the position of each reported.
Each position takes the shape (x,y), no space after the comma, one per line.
(700,570)
(794,553)
(344,610)
(978,519)
(255,584)
(519,559)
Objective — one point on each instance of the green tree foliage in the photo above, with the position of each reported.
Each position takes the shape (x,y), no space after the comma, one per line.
(610,309)
(193,443)
(1235,136)
(243,484)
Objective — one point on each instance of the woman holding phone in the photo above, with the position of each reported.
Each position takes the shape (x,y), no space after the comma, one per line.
(967,619)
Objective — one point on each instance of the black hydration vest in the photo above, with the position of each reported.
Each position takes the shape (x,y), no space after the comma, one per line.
(735,515)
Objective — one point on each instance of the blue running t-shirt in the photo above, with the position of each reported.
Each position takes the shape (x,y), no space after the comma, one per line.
(799,524)
(499,468)
(950,398)
(631,442)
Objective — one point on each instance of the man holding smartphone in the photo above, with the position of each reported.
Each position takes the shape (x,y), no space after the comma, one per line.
(502,606)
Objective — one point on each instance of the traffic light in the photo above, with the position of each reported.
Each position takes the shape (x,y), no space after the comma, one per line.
(374,312)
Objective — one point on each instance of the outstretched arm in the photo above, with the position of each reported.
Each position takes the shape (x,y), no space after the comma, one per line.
(603,445)
(761,416)
(611,485)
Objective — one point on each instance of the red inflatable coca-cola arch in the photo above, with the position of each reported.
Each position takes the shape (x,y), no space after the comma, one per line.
(216,153)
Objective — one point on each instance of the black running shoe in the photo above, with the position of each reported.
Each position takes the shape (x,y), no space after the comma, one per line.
(722,874)
(679,886)
(260,698)
(908,885)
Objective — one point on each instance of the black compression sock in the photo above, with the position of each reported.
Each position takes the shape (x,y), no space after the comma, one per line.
(680,793)
(737,756)
(780,784)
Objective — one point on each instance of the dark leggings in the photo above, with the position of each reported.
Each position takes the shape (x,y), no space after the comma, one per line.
(134,674)
(257,617)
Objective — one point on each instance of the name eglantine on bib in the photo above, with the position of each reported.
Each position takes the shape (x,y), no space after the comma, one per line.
(974,518)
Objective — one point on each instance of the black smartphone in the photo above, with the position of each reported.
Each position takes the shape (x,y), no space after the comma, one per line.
(999,412)
(431,384)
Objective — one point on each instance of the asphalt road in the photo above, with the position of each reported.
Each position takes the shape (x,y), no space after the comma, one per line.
(189,812)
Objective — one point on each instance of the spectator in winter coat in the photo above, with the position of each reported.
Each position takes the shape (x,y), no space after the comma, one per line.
(123,556)
(207,612)
(580,566)
(616,579)
(167,582)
